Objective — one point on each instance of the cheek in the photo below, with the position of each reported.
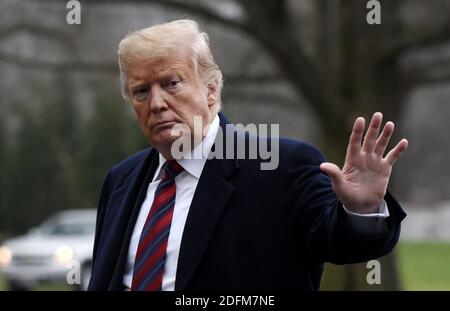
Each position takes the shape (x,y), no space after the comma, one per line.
(139,109)
(188,105)
(200,105)
(141,113)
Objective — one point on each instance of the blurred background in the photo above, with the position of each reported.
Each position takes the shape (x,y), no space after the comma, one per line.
(312,66)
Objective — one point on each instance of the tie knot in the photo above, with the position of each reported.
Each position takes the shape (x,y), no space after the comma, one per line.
(173,168)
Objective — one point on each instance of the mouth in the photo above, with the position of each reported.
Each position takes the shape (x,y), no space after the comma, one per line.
(164,125)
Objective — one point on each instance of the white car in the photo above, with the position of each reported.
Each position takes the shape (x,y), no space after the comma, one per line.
(58,250)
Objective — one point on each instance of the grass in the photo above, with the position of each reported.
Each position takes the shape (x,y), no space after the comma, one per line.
(2,283)
(424,266)
(41,287)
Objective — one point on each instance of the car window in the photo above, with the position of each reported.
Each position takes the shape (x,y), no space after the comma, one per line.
(59,228)
(71,229)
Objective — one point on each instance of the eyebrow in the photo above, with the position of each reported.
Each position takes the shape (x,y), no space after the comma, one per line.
(167,74)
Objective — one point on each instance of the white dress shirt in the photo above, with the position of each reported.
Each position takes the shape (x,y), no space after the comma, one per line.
(186,183)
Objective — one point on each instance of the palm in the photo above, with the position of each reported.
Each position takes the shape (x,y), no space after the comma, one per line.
(362,182)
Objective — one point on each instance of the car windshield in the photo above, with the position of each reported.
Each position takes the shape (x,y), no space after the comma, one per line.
(64,227)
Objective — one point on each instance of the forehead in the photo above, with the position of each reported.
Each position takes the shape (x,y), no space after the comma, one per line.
(157,67)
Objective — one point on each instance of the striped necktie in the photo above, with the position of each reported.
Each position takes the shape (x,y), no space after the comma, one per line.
(151,252)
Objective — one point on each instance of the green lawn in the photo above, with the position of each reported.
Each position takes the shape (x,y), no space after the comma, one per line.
(42,287)
(2,283)
(423,266)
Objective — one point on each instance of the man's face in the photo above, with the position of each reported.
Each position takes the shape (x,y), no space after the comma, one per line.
(166,91)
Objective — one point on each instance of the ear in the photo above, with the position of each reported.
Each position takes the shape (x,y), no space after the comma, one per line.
(213,92)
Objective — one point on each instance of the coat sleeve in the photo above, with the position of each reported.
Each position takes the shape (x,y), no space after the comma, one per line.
(319,221)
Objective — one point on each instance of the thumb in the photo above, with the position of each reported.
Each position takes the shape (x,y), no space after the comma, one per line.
(333,171)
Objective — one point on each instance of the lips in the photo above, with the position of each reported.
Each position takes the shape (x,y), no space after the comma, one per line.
(163,125)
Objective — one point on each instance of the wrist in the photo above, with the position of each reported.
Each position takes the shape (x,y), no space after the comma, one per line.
(364,209)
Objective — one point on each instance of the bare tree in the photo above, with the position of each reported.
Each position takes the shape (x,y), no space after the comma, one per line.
(352,69)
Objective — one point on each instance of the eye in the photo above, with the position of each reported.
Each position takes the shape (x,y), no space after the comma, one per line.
(140,94)
(172,84)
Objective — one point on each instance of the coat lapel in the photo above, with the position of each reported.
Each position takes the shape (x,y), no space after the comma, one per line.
(129,197)
(210,199)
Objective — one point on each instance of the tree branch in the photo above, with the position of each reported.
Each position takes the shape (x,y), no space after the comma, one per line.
(434,80)
(112,68)
(428,73)
(425,40)
(258,98)
(47,32)
(268,22)
(26,62)
(187,6)
(231,79)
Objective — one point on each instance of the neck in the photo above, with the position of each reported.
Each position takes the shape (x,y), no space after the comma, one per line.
(166,150)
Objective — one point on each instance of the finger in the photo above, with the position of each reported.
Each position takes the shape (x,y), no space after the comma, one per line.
(384,138)
(334,172)
(396,152)
(372,132)
(354,144)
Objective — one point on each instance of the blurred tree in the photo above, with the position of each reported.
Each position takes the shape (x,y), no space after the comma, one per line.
(33,189)
(39,172)
(3,165)
(58,160)
(62,127)
(108,137)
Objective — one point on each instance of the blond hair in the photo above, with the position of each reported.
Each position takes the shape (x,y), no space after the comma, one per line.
(159,40)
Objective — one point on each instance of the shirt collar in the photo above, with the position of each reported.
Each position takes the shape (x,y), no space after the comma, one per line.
(191,164)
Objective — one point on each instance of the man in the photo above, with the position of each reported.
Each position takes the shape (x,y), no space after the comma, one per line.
(223,223)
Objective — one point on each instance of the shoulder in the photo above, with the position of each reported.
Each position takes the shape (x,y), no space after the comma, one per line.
(132,161)
(282,155)
(284,148)
(127,167)
(293,150)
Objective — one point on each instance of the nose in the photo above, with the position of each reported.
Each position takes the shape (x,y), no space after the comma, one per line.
(157,102)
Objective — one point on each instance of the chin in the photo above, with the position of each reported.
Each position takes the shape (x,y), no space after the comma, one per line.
(163,138)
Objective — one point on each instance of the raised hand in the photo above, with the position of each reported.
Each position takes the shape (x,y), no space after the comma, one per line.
(362,182)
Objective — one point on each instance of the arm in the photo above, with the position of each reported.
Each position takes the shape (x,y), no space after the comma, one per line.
(330,233)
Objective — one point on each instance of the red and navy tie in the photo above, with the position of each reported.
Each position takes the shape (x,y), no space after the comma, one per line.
(151,252)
